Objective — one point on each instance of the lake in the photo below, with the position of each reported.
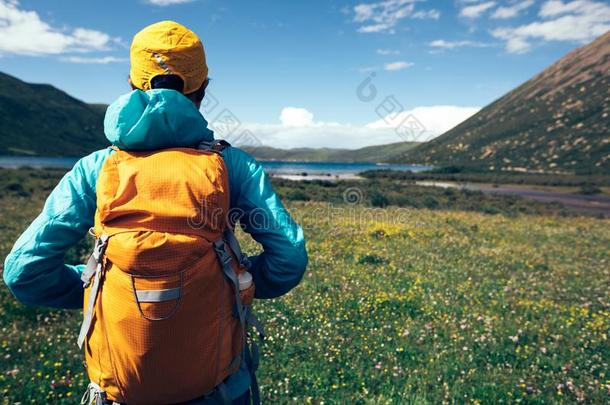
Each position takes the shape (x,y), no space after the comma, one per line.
(276,168)
(328,170)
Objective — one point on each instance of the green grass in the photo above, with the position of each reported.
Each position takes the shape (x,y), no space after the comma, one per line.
(399,305)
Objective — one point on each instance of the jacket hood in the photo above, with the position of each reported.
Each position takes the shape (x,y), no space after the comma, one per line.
(155,119)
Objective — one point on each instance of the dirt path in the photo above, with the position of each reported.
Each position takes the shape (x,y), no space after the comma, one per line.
(598,204)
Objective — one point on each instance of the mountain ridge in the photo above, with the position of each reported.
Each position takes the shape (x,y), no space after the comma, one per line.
(372,154)
(558,121)
(39,119)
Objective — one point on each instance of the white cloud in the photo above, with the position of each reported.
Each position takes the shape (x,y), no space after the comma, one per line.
(400,65)
(556,7)
(476,10)
(374,28)
(435,119)
(163,3)
(90,39)
(103,60)
(512,11)
(427,14)
(382,16)
(442,44)
(387,52)
(23,32)
(296,117)
(579,20)
(514,43)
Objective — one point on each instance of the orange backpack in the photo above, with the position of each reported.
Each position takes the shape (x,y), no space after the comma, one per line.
(164,318)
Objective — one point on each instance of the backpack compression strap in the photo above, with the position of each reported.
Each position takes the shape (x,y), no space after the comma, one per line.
(246,317)
(93,270)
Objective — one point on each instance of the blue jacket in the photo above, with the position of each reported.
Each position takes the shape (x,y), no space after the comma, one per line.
(35,271)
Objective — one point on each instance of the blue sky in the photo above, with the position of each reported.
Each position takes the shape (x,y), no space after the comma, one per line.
(290,71)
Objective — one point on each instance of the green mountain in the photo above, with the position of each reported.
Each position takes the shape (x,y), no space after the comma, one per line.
(558,121)
(375,154)
(38,119)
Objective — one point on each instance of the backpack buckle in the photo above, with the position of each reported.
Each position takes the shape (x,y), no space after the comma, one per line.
(94,260)
(221,251)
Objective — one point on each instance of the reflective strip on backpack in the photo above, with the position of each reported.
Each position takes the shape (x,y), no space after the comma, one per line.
(159,295)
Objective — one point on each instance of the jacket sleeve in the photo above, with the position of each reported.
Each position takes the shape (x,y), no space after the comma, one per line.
(34,270)
(281,265)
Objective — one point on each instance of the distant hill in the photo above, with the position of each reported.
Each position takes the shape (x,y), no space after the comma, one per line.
(375,154)
(557,121)
(38,119)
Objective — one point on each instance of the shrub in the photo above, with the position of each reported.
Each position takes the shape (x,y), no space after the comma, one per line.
(297,195)
(430,202)
(590,189)
(447,170)
(18,189)
(371,259)
(379,199)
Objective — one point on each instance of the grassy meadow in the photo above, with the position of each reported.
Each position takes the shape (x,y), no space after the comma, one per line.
(495,301)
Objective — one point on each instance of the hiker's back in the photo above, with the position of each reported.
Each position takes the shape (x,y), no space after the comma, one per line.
(162,329)
(167,295)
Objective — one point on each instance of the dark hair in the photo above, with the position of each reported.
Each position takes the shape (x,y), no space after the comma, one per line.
(175,82)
